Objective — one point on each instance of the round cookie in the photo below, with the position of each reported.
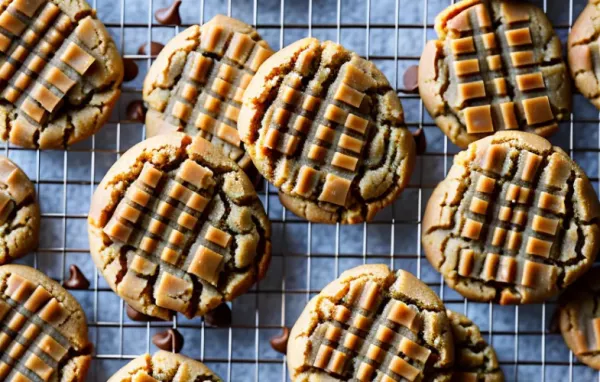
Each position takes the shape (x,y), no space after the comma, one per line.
(584,52)
(52,342)
(175,226)
(579,318)
(164,366)
(475,359)
(497,65)
(372,324)
(19,213)
(325,127)
(63,76)
(197,82)
(515,220)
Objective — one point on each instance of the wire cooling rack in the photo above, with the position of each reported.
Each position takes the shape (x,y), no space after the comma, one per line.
(306,256)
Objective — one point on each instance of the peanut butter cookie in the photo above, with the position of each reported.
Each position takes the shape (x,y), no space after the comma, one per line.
(164,367)
(475,360)
(176,226)
(19,213)
(579,318)
(584,52)
(197,82)
(515,220)
(372,324)
(497,65)
(325,127)
(43,331)
(60,72)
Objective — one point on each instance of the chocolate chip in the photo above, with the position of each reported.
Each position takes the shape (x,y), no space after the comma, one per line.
(169,340)
(219,317)
(411,79)
(420,141)
(169,15)
(76,280)
(130,69)
(136,111)
(279,343)
(155,48)
(138,316)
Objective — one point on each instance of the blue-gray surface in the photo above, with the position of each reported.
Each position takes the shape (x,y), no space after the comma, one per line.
(306,257)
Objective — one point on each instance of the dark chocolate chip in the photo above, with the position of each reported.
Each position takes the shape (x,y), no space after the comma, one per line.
(219,317)
(155,48)
(130,69)
(138,316)
(136,111)
(420,141)
(169,340)
(279,343)
(76,280)
(411,79)
(169,15)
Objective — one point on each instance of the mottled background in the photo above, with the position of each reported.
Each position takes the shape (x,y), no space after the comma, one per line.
(306,256)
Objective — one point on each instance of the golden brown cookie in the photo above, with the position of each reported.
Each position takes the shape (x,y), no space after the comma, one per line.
(325,127)
(60,72)
(164,367)
(372,324)
(475,360)
(19,213)
(175,226)
(515,220)
(43,330)
(497,65)
(584,52)
(197,82)
(579,318)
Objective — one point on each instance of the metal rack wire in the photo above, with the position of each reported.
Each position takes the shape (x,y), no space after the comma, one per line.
(306,256)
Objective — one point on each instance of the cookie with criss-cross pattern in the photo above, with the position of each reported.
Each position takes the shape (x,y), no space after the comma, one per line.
(515,220)
(496,65)
(43,330)
(584,52)
(326,128)
(475,360)
(197,82)
(19,212)
(164,367)
(579,318)
(176,226)
(372,324)
(60,72)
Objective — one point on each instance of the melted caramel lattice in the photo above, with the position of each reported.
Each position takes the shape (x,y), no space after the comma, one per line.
(505,220)
(31,348)
(179,230)
(371,338)
(43,54)
(496,81)
(586,340)
(331,134)
(517,220)
(208,96)
(17,188)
